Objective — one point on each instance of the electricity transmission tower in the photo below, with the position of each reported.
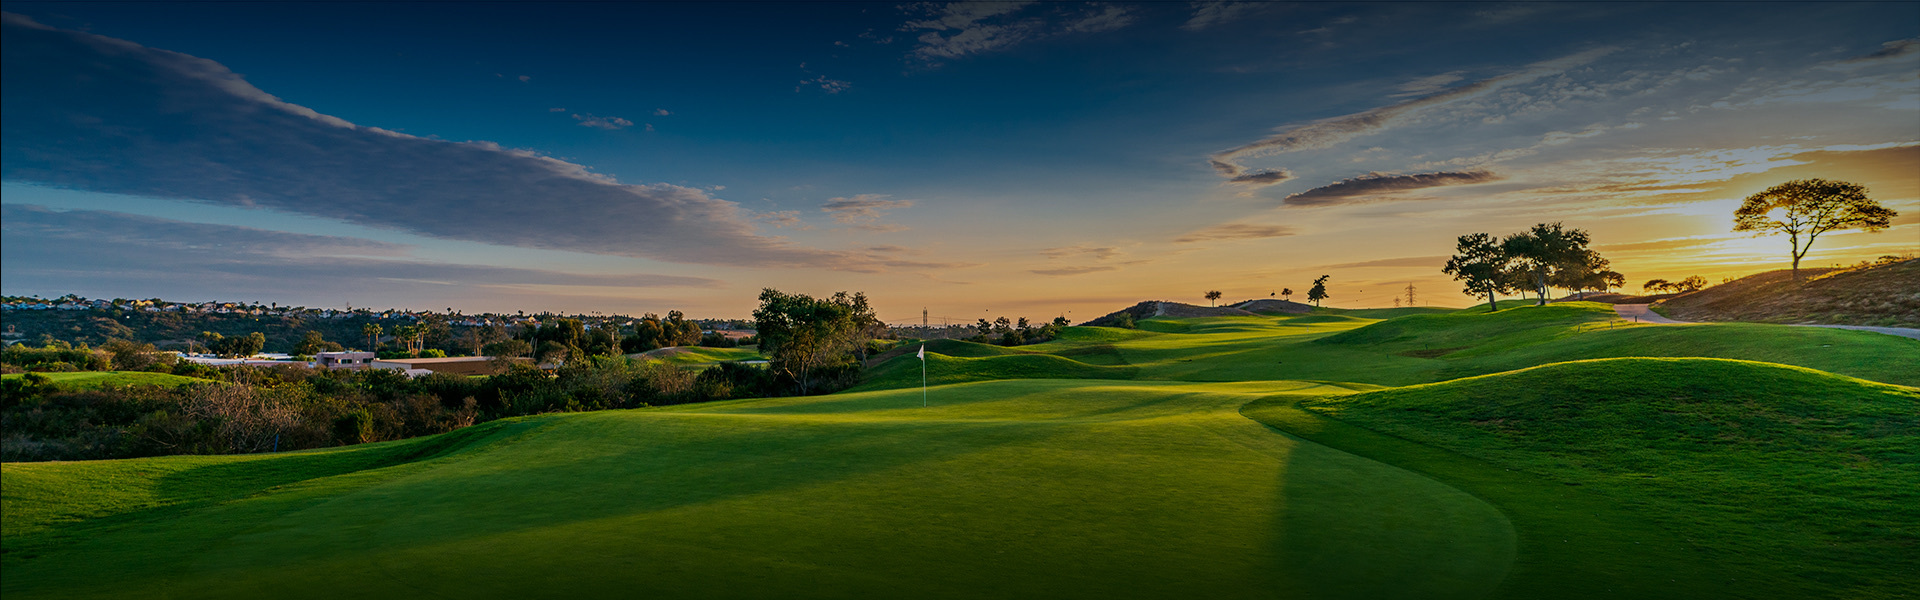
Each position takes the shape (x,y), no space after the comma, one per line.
(1410,295)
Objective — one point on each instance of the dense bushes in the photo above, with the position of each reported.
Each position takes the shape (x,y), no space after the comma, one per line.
(291,408)
(55,357)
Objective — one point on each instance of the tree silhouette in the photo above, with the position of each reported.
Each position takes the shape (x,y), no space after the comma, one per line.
(1481,265)
(372,331)
(1810,207)
(1212,295)
(1549,254)
(1286,294)
(1319,290)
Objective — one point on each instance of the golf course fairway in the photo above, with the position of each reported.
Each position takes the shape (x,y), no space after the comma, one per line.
(1230,457)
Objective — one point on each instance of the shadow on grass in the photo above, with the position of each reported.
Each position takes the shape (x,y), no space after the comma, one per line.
(1570,544)
(243,476)
(583,468)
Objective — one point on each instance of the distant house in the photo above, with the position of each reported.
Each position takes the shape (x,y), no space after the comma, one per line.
(215,361)
(344,360)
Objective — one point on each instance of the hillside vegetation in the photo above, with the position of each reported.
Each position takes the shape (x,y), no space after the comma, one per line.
(1885,295)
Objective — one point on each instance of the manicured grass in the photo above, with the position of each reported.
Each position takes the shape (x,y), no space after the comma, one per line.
(88,380)
(1571,543)
(1002,489)
(1253,456)
(697,355)
(904,371)
(1797,479)
(1428,348)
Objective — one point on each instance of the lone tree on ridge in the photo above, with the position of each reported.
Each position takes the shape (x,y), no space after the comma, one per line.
(1212,295)
(1811,207)
(1319,290)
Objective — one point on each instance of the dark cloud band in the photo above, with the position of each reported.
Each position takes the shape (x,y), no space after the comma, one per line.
(106,115)
(1360,189)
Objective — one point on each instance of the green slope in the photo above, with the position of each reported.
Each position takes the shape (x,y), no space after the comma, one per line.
(1002,489)
(1105,463)
(697,355)
(905,371)
(87,380)
(1788,478)
(1428,348)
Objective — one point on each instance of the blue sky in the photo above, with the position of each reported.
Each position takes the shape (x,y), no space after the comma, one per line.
(984,157)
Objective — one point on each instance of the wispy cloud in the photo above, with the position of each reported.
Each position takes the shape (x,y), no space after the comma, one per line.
(112,116)
(1326,133)
(1095,252)
(599,122)
(1261,178)
(1893,49)
(1429,85)
(48,249)
(1373,184)
(779,218)
(958,29)
(1408,261)
(863,211)
(831,86)
(1062,271)
(1208,14)
(1235,231)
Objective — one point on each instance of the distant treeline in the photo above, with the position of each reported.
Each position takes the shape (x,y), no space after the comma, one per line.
(305,333)
(815,346)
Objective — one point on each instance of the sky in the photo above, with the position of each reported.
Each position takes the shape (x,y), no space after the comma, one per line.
(969,159)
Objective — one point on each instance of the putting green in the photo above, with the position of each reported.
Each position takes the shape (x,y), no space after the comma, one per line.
(1014,488)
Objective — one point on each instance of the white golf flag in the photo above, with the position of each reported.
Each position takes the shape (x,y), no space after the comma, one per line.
(923,352)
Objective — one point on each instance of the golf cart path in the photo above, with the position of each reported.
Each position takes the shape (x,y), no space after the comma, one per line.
(1643,314)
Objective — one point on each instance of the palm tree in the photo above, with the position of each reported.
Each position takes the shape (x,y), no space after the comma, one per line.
(372,331)
(1212,295)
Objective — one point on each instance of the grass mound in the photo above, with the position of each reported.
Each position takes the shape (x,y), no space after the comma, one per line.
(1804,477)
(1884,295)
(1485,332)
(1266,306)
(93,380)
(1386,313)
(904,371)
(699,355)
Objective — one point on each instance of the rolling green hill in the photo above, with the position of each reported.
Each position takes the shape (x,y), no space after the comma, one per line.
(1244,456)
(697,355)
(1792,477)
(83,380)
(1003,489)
